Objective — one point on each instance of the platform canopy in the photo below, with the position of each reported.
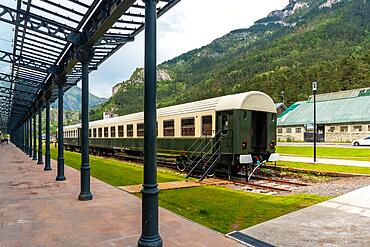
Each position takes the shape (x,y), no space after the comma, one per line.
(47,35)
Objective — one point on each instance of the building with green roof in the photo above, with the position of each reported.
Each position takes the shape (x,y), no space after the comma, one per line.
(341,117)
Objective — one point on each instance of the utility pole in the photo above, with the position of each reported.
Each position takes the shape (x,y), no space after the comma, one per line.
(314,90)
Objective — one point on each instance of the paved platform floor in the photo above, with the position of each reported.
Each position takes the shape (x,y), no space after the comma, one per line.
(35,210)
(326,161)
(342,221)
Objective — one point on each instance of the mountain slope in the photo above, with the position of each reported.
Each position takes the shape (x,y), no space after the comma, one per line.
(72,100)
(323,40)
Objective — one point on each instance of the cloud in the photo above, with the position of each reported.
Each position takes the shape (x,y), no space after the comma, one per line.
(189,25)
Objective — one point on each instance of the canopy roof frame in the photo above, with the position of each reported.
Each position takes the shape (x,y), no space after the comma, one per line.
(47,35)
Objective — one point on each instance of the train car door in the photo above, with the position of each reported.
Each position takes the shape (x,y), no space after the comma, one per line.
(259,133)
(224,127)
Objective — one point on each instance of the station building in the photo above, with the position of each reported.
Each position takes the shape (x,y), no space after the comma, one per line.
(341,117)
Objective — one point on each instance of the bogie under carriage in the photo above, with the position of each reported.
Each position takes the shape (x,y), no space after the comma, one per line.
(207,135)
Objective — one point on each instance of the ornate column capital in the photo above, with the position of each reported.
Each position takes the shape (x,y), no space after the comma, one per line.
(60,80)
(84,54)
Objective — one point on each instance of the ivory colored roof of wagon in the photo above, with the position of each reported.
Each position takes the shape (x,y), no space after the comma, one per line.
(254,100)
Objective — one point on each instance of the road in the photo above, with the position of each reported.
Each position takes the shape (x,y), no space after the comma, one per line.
(310,144)
(326,161)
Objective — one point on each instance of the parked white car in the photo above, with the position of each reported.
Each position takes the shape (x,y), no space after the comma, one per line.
(362,142)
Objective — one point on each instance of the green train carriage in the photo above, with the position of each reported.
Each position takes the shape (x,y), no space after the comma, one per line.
(208,132)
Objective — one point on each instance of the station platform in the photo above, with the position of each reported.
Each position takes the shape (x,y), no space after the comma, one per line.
(325,161)
(35,210)
(341,221)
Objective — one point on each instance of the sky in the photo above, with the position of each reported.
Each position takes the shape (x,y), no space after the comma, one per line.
(190,24)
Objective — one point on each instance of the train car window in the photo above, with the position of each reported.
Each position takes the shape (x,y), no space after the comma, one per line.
(140,129)
(207,125)
(188,127)
(90,133)
(225,124)
(100,132)
(245,115)
(130,130)
(94,132)
(120,131)
(113,131)
(169,128)
(105,131)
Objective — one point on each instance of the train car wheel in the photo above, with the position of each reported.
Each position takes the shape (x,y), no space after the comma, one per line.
(211,174)
(181,164)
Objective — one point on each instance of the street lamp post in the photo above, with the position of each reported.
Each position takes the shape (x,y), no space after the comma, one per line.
(314,90)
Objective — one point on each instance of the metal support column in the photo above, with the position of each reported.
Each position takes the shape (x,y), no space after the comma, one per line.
(34,137)
(314,89)
(84,55)
(60,167)
(30,136)
(39,162)
(20,137)
(47,134)
(23,140)
(150,235)
(26,137)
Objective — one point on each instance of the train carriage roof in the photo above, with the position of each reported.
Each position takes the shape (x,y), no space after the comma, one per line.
(253,101)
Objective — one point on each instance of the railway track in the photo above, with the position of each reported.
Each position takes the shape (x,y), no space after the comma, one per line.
(258,184)
(263,184)
(269,184)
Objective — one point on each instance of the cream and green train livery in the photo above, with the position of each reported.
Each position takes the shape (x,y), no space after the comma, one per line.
(236,124)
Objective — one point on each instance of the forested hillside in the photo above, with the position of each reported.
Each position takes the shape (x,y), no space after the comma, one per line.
(323,40)
(72,100)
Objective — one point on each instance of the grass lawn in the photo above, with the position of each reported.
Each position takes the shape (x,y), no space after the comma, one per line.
(327,152)
(225,210)
(322,167)
(114,172)
(219,208)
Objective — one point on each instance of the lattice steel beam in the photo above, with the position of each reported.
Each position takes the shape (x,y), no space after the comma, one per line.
(102,19)
(20,81)
(34,22)
(28,103)
(23,62)
(11,91)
